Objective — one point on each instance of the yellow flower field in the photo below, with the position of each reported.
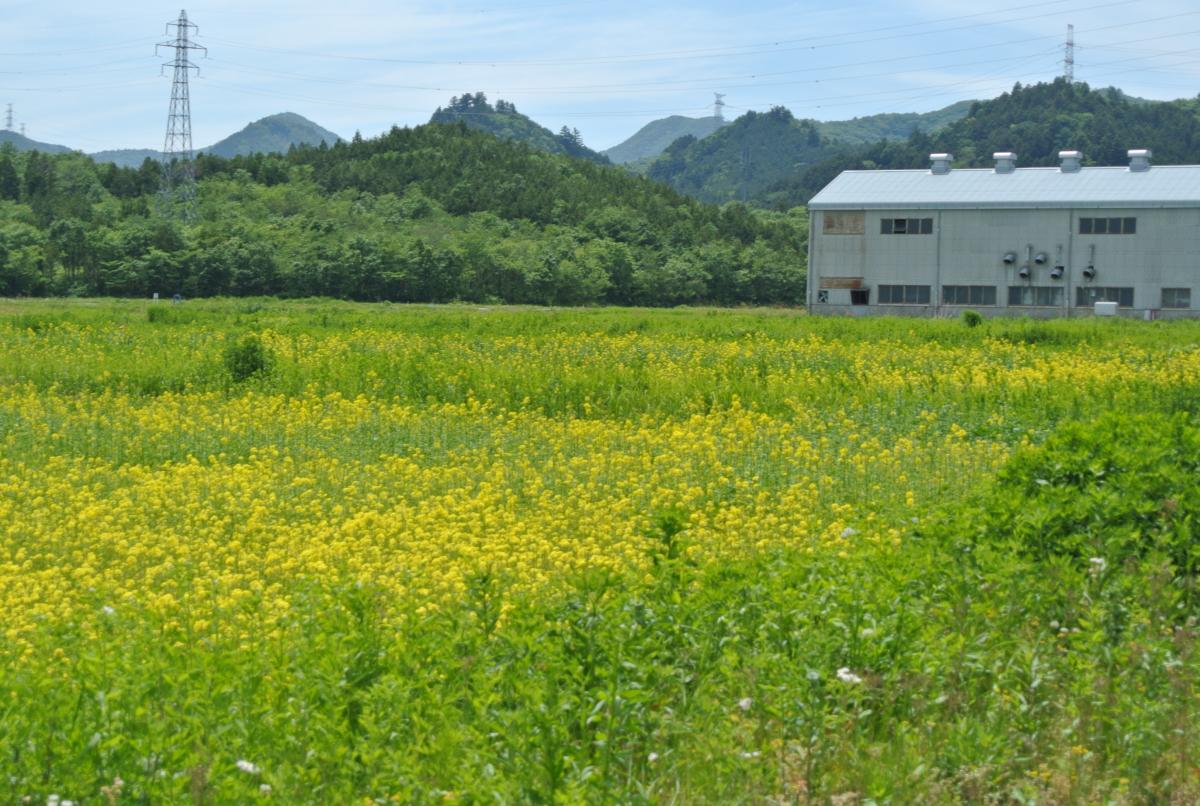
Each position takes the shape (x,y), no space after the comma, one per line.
(144,487)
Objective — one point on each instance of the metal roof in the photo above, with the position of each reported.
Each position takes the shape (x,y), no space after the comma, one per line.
(971,188)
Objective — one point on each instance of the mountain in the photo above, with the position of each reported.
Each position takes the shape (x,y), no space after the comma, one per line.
(1036,122)
(639,151)
(742,159)
(126,157)
(504,121)
(23,143)
(273,134)
(653,138)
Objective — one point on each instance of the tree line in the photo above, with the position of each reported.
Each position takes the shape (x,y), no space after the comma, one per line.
(432,214)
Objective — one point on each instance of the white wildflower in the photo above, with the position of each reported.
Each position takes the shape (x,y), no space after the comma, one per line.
(248,767)
(653,757)
(264,788)
(744,703)
(846,676)
(108,610)
(849,531)
(1098,564)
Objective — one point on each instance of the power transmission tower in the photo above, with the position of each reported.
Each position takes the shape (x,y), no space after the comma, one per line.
(1069,56)
(178,192)
(22,129)
(8,119)
(745,173)
(719,106)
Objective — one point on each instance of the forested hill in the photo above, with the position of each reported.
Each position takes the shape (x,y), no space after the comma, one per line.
(1036,122)
(504,121)
(432,214)
(741,160)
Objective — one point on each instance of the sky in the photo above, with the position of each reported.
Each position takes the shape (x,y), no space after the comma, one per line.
(86,74)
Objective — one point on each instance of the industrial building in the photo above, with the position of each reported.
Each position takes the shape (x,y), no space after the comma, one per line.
(1007,240)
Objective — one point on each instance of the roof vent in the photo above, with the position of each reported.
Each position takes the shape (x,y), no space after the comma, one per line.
(941,163)
(1139,159)
(1006,162)
(1070,161)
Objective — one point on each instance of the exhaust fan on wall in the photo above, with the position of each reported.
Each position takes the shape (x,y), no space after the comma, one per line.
(1010,258)
(1024,273)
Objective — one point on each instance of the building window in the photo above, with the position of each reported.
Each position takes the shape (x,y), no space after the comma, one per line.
(968,295)
(860,296)
(1177,298)
(906,226)
(1108,226)
(1043,296)
(822,297)
(1086,296)
(844,223)
(904,295)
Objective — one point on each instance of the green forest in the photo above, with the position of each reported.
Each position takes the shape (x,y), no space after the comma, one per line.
(437,213)
(1036,122)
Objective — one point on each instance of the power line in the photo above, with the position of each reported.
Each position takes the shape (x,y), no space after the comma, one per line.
(743,50)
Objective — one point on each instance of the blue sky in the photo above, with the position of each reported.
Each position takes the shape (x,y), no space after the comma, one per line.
(86,75)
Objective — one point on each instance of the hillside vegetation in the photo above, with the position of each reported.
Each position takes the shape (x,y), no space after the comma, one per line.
(746,157)
(436,213)
(504,121)
(1036,122)
(740,160)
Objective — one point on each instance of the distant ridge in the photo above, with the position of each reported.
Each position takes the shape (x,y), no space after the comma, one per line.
(126,157)
(23,143)
(653,138)
(272,134)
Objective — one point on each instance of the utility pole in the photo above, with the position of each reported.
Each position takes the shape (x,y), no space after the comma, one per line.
(719,106)
(178,191)
(1069,56)
(8,119)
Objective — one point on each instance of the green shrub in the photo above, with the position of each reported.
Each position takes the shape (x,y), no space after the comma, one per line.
(1106,491)
(972,318)
(248,358)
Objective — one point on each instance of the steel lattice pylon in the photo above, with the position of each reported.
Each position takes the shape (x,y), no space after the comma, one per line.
(178,192)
